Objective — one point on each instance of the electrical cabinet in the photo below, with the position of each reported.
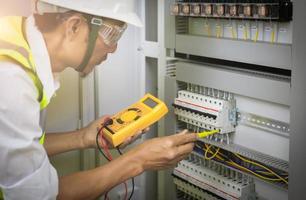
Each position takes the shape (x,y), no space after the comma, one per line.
(232,65)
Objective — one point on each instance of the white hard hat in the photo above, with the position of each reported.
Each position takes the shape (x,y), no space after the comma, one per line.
(123,10)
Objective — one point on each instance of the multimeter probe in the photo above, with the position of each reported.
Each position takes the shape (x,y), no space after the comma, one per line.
(208,133)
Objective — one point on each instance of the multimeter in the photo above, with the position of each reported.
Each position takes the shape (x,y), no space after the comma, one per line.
(136,117)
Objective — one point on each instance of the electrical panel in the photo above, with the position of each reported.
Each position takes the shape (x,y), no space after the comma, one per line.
(230,64)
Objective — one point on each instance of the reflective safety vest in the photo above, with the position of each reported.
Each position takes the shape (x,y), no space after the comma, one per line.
(15,48)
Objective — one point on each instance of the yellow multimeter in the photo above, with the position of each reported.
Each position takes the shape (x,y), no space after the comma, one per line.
(136,117)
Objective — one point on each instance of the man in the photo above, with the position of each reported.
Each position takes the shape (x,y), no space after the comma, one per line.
(66,33)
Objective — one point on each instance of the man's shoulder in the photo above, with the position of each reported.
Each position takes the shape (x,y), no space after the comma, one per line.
(14,78)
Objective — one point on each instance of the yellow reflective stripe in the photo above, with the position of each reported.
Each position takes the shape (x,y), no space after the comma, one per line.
(42,139)
(44,102)
(16,56)
(16,48)
(25,64)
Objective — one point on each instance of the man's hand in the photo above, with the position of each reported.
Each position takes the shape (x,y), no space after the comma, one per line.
(90,133)
(154,154)
(164,152)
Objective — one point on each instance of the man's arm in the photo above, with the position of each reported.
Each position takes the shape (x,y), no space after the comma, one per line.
(56,143)
(93,183)
(154,154)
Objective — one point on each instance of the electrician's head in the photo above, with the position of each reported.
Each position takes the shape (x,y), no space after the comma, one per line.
(80,33)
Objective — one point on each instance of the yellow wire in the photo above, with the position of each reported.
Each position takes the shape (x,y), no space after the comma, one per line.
(264,172)
(254,163)
(207,27)
(216,154)
(218,30)
(208,150)
(233,33)
(273,35)
(245,32)
(256,35)
(262,177)
(269,173)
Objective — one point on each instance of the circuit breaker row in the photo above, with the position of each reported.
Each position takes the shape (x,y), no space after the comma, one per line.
(210,177)
(263,10)
(212,109)
(187,190)
(205,111)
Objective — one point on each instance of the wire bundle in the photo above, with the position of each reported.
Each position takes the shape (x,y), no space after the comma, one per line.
(239,162)
(107,155)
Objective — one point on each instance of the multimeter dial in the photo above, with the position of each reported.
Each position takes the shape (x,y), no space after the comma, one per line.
(132,114)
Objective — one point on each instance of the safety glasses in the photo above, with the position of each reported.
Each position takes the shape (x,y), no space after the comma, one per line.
(111,34)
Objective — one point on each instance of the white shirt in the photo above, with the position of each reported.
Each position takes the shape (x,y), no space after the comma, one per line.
(25,170)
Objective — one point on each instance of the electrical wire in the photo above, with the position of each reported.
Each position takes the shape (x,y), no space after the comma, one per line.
(133,182)
(213,154)
(224,159)
(256,33)
(97,142)
(245,32)
(107,155)
(234,35)
(207,28)
(264,167)
(218,30)
(219,155)
(250,171)
(269,173)
(272,33)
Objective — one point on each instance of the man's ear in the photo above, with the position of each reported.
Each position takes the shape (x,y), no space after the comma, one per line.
(73,26)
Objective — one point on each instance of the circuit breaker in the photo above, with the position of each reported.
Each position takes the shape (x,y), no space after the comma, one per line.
(231,70)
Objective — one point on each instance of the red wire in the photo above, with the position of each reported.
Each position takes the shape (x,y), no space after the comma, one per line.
(105,148)
(109,156)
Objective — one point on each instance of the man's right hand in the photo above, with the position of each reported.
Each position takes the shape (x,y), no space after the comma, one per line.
(164,152)
(154,154)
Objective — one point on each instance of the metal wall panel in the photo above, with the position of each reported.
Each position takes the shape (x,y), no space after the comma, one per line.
(252,86)
(259,53)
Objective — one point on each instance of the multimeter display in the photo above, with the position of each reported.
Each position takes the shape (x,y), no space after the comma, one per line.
(149,102)
(134,118)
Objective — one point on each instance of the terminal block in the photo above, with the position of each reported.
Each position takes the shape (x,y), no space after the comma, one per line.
(276,10)
(210,178)
(192,191)
(206,112)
